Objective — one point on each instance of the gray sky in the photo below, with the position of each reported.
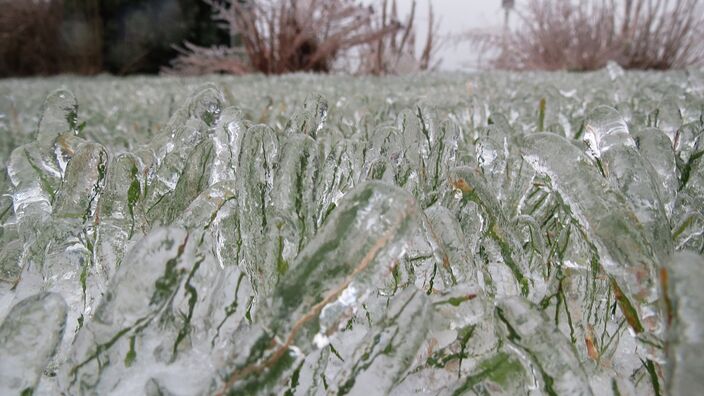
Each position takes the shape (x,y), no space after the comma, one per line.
(455,17)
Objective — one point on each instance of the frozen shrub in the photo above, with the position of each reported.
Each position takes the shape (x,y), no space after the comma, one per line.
(395,53)
(284,36)
(579,36)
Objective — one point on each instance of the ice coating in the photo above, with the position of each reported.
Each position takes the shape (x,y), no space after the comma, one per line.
(630,172)
(59,115)
(28,338)
(604,129)
(627,255)
(326,235)
(656,148)
(543,347)
(685,340)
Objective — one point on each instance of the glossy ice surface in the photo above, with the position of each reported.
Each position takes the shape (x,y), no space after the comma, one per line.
(492,234)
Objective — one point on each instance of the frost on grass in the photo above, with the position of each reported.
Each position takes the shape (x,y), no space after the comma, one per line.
(460,234)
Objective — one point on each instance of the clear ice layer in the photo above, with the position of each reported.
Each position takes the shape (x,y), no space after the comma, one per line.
(490,234)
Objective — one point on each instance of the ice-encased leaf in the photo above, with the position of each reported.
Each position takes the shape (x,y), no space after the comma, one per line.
(123,190)
(337,270)
(628,171)
(168,164)
(204,210)
(59,115)
(83,183)
(668,117)
(192,181)
(145,282)
(11,261)
(625,253)
(473,187)
(549,354)
(353,250)
(206,104)
(32,189)
(604,129)
(685,340)
(689,141)
(28,338)
(656,148)
(294,191)
(444,155)
(336,177)
(227,137)
(258,163)
(499,374)
(457,260)
(387,351)
(632,175)
(311,119)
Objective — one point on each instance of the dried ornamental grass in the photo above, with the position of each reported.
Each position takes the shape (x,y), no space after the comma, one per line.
(580,36)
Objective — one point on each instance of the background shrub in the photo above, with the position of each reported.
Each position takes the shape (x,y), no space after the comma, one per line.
(585,35)
(284,36)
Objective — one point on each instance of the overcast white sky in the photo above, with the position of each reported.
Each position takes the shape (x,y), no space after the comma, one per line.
(455,17)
